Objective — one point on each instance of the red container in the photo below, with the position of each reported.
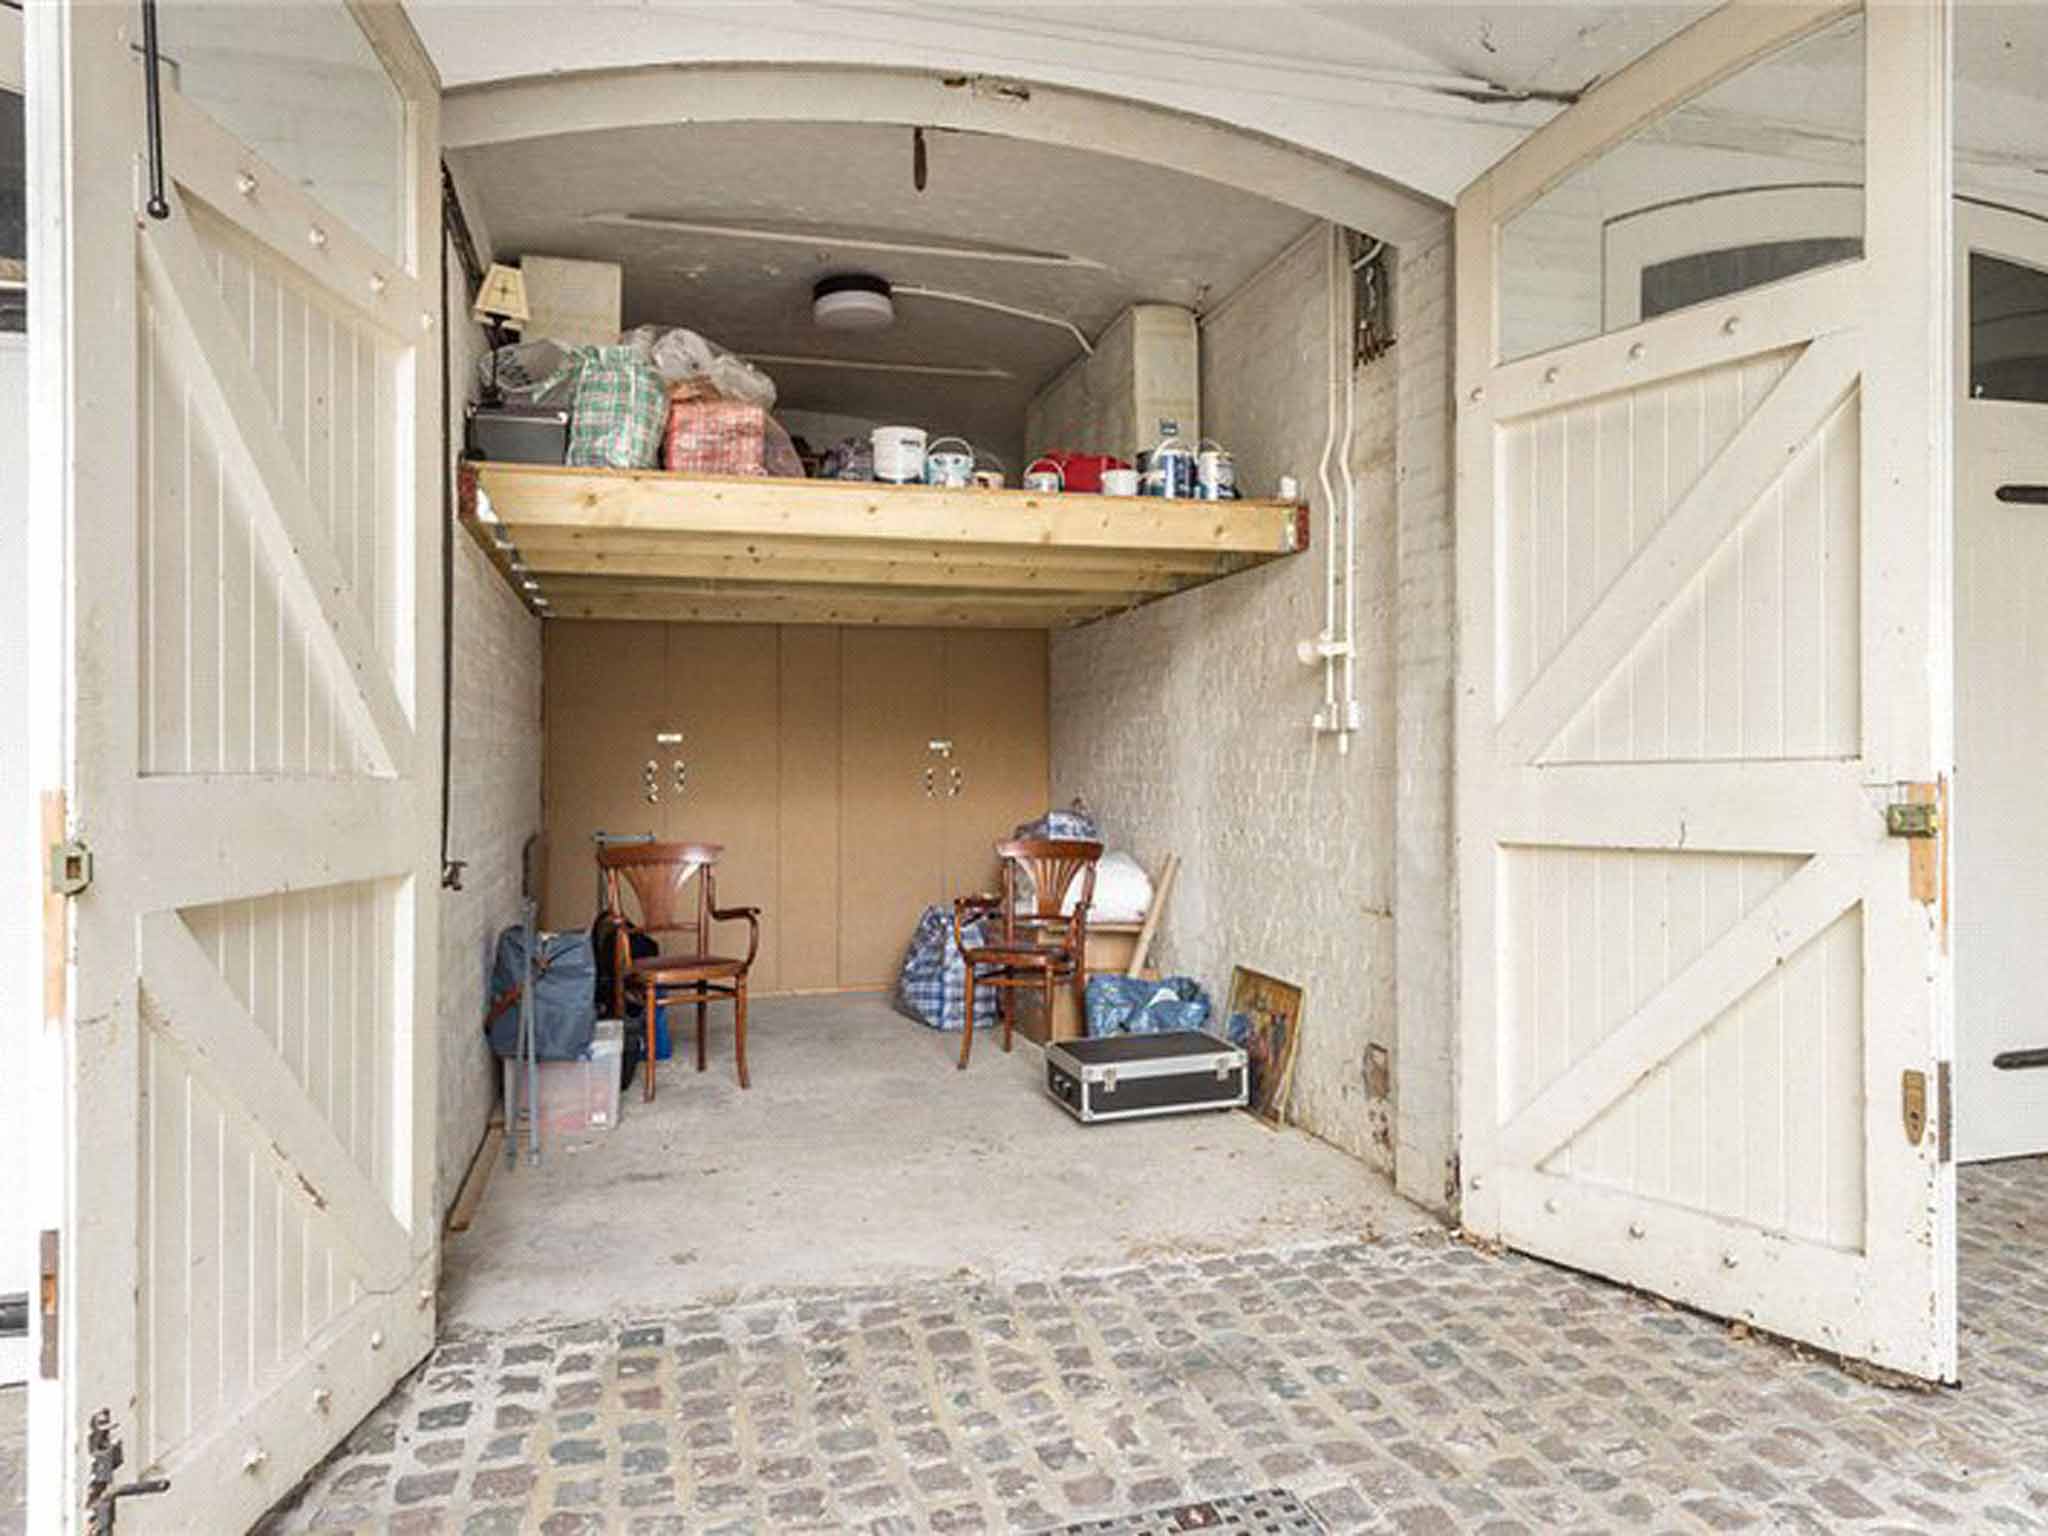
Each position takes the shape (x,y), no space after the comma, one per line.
(1083,471)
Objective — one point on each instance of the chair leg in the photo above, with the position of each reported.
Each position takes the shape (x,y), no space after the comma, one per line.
(702,1005)
(967,1025)
(1045,986)
(739,1028)
(1081,999)
(647,1007)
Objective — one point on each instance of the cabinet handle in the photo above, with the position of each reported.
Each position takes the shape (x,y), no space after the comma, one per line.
(682,776)
(651,777)
(931,788)
(957,780)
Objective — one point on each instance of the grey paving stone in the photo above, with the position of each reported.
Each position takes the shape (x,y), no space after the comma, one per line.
(1407,1386)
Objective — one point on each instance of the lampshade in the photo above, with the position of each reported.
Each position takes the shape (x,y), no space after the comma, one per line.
(503,296)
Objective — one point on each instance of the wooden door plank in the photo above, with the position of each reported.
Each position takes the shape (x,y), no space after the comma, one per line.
(285,522)
(198,1013)
(1670,559)
(1736,807)
(290,833)
(1780,925)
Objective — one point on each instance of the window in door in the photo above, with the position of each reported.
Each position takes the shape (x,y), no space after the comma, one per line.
(2008,330)
(13,215)
(1790,124)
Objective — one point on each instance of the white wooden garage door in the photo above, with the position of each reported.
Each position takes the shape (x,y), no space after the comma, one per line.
(238,416)
(1704,590)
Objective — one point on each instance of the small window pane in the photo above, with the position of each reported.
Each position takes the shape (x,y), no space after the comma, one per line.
(13,215)
(1759,177)
(297,81)
(2008,331)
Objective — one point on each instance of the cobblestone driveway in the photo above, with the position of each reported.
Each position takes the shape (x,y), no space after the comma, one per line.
(1413,1385)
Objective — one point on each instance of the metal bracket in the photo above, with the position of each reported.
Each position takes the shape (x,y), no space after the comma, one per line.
(101,1493)
(1944,1112)
(70,868)
(1912,818)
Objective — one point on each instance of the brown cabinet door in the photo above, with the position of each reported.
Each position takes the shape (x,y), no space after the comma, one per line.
(807,905)
(996,718)
(602,690)
(720,781)
(892,826)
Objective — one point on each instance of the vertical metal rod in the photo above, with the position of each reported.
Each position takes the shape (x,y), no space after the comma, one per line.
(159,206)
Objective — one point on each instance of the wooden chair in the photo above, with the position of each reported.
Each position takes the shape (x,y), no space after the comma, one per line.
(1040,948)
(660,875)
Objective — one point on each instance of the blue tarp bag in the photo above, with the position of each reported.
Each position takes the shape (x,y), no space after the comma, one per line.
(1130,1005)
(932,986)
(564,994)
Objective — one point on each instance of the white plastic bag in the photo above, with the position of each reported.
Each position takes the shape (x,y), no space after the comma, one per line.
(681,355)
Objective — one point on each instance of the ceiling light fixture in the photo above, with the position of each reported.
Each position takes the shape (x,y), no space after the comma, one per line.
(852,301)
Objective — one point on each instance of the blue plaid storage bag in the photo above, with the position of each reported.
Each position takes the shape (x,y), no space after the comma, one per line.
(932,985)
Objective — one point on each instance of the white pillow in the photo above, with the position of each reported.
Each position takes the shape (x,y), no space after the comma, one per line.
(1123,892)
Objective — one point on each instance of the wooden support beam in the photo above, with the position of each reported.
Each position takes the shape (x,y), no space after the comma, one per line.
(824,605)
(728,557)
(653,500)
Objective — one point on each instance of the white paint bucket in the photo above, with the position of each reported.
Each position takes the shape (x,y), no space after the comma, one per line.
(899,454)
(1119,482)
(947,465)
(1044,475)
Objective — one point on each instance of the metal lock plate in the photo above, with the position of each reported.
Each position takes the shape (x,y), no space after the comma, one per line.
(1913,818)
(1913,1104)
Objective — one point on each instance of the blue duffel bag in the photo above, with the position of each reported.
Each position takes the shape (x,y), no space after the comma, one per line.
(1129,1005)
(564,1003)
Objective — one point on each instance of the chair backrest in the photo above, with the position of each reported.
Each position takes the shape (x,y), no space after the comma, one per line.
(661,877)
(1053,865)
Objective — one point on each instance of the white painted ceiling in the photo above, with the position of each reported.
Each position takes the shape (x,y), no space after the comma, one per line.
(1427,95)
(725,227)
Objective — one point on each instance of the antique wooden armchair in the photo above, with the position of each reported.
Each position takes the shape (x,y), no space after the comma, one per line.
(660,875)
(1040,948)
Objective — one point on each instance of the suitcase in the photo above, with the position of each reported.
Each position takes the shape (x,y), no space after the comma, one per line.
(1128,1077)
(519,434)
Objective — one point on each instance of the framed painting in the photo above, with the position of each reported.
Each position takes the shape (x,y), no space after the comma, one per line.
(1264,1020)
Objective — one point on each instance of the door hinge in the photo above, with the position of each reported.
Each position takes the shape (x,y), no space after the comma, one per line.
(46,1301)
(102,1494)
(1944,1112)
(70,868)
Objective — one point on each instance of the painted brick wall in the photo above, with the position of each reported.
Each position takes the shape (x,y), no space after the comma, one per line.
(1186,723)
(1425,667)
(495,804)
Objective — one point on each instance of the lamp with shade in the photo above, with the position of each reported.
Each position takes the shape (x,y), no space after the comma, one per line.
(501,308)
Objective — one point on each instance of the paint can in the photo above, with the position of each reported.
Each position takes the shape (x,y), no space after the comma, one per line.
(1215,473)
(899,454)
(1168,470)
(1119,482)
(949,466)
(988,479)
(1044,475)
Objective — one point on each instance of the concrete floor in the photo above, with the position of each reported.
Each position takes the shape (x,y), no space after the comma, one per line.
(13,1471)
(860,1156)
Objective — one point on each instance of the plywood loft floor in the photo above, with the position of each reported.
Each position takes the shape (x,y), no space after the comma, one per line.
(860,1157)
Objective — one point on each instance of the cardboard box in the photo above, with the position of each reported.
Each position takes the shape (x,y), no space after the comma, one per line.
(1110,947)
(575,301)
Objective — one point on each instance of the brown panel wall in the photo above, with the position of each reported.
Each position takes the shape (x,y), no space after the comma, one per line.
(892,837)
(806,749)
(723,694)
(601,694)
(996,718)
(807,900)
